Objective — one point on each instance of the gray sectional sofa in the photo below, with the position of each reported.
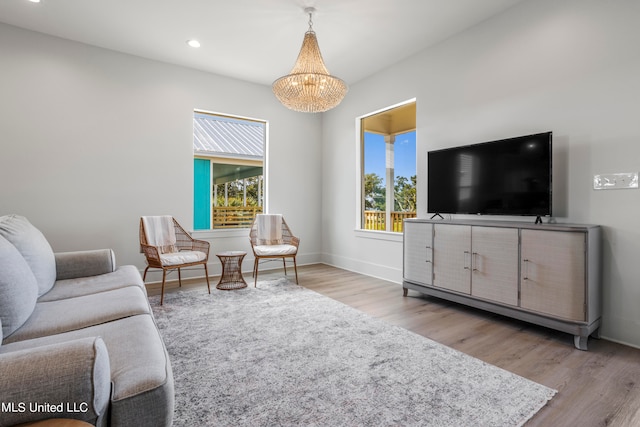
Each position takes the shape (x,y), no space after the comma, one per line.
(78,337)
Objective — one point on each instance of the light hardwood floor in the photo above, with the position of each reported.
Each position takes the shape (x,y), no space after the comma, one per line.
(599,387)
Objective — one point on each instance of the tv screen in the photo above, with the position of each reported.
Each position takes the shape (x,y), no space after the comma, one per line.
(506,177)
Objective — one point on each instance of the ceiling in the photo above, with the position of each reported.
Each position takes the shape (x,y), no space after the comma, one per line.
(256,40)
(394,121)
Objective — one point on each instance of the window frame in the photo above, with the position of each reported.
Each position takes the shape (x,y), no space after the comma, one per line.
(359,176)
(239,231)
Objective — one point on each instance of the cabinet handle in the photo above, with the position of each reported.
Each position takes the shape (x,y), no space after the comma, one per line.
(465,260)
(429,247)
(474,261)
(526,269)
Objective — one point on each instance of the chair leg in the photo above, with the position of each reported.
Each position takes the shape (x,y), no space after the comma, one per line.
(164,275)
(253,272)
(206,274)
(179,278)
(144,276)
(295,267)
(255,282)
(284,262)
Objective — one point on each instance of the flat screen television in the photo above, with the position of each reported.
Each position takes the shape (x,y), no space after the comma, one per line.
(505,177)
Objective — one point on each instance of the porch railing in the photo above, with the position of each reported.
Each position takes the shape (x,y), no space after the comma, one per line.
(234,216)
(376,220)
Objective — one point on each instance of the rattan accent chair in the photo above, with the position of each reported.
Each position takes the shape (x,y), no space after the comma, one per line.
(167,246)
(271,238)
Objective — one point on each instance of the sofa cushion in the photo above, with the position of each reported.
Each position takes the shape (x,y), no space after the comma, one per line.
(33,246)
(56,317)
(123,276)
(18,288)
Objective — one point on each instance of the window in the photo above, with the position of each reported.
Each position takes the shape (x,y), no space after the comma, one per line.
(388,168)
(228,170)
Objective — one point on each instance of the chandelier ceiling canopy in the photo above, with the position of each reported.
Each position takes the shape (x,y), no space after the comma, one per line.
(309,88)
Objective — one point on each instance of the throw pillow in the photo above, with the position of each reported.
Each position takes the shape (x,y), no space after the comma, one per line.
(33,246)
(18,288)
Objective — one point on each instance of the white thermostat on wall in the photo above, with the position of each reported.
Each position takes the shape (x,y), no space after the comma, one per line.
(615,181)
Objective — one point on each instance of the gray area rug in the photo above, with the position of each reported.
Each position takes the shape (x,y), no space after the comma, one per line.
(282,355)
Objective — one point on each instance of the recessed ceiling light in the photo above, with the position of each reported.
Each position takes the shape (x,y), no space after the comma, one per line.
(193,43)
(34,1)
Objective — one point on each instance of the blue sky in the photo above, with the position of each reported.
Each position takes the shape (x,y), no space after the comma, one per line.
(405,154)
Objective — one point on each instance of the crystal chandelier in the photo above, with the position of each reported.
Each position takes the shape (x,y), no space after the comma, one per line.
(309,87)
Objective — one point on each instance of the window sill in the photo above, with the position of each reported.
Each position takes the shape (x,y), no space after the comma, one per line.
(379,235)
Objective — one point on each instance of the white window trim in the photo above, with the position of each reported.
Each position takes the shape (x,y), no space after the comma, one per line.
(389,236)
(359,231)
(238,232)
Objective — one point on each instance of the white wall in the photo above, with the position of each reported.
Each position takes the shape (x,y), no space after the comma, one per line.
(91,139)
(572,67)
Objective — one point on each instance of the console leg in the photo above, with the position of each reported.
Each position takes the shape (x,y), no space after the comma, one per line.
(580,342)
(405,291)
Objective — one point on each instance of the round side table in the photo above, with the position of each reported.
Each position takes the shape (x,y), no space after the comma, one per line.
(231,277)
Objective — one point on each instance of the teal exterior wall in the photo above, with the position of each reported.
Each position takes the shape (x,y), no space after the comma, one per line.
(201,194)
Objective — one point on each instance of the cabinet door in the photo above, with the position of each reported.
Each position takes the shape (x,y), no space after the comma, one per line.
(494,264)
(553,273)
(418,252)
(452,257)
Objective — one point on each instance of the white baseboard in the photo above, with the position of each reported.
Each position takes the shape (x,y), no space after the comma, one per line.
(378,271)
